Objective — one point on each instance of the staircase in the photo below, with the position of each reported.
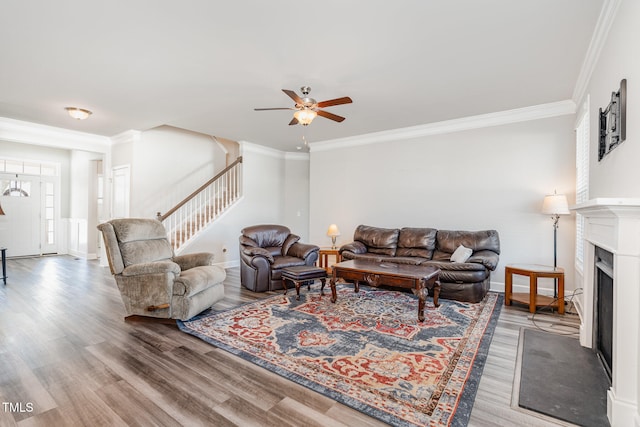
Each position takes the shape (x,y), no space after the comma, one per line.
(203,206)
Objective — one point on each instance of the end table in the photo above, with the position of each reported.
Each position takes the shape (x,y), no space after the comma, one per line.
(323,257)
(533,299)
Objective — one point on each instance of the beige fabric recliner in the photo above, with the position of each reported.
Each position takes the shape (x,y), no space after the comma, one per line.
(152,281)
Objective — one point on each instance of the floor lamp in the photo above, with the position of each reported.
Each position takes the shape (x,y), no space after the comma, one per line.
(555,205)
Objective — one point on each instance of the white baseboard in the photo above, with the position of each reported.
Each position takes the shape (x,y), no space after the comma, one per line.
(229,264)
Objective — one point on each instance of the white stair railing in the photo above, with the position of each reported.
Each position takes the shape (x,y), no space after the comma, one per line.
(203,206)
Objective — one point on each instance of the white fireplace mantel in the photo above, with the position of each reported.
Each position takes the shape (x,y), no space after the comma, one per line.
(614,224)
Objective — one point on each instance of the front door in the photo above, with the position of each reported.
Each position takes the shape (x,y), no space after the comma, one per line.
(20,227)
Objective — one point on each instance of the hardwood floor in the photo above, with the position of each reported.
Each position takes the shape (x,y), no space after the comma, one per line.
(68,358)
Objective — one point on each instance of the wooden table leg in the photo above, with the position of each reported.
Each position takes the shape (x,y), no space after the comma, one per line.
(421,293)
(508,286)
(533,291)
(284,285)
(297,282)
(332,283)
(561,294)
(323,280)
(436,293)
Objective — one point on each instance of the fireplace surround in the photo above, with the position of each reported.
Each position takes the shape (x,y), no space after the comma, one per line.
(613,224)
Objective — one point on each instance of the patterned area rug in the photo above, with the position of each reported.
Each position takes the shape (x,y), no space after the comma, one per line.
(367,350)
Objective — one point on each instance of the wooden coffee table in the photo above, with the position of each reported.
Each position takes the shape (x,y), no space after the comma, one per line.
(418,278)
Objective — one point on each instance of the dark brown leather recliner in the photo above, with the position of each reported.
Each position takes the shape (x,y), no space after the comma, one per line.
(265,250)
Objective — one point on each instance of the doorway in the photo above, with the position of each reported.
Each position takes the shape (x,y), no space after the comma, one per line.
(29,226)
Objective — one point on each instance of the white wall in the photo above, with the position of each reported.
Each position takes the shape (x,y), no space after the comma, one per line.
(618,174)
(167,165)
(487,178)
(296,194)
(82,221)
(273,187)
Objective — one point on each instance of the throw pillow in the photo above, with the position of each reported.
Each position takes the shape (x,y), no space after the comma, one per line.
(461,254)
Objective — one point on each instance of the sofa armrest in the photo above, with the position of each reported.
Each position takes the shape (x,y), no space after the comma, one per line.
(487,258)
(188,261)
(261,252)
(146,268)
(302,250)
(355,247)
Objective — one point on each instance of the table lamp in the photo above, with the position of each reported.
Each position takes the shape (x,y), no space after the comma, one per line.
(333,232)
(555,205)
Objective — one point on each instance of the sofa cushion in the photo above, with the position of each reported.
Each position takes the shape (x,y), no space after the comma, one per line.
(198,279)
(267,235)
(288,242)
(141,240)
(143,251)
(382,241)
(281,262)
(416,242)
(448,241)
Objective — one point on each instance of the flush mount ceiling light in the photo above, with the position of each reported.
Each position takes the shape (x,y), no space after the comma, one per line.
(78,113)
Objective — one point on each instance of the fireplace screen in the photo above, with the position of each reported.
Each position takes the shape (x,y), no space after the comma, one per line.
(604,308)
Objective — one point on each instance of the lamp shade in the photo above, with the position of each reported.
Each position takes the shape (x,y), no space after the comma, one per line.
(333,231)
(305,116)
(555,204)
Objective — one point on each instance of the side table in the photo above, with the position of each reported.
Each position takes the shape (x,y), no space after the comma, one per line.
(533,299)
(323,257)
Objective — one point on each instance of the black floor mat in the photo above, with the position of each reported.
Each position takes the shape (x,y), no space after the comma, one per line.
(562,379)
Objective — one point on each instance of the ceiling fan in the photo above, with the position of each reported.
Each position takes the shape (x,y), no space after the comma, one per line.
(306,108)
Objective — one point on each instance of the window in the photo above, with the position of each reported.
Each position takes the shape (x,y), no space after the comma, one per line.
(582,178)
(15,188)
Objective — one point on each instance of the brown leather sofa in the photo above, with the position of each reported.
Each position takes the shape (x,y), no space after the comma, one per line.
(265,250)
(463,281)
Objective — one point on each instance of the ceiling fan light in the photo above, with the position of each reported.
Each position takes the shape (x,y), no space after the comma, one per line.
(305,116)
(78,113)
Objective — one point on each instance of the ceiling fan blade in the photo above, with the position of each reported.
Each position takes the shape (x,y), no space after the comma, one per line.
(293,121)
(337,101)
(293,96)
(267,109)
(330,116)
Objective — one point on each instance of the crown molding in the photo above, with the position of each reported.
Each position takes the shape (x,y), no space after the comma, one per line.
(296,156)
(127,136)
(600,33)
(535,112)
(49,136)
(246,146)
(272,152)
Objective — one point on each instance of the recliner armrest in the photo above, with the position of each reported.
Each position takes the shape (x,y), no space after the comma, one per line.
(258,252)
(302,250)
(188,261)
(487,258)
(156,267)
(355,247)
